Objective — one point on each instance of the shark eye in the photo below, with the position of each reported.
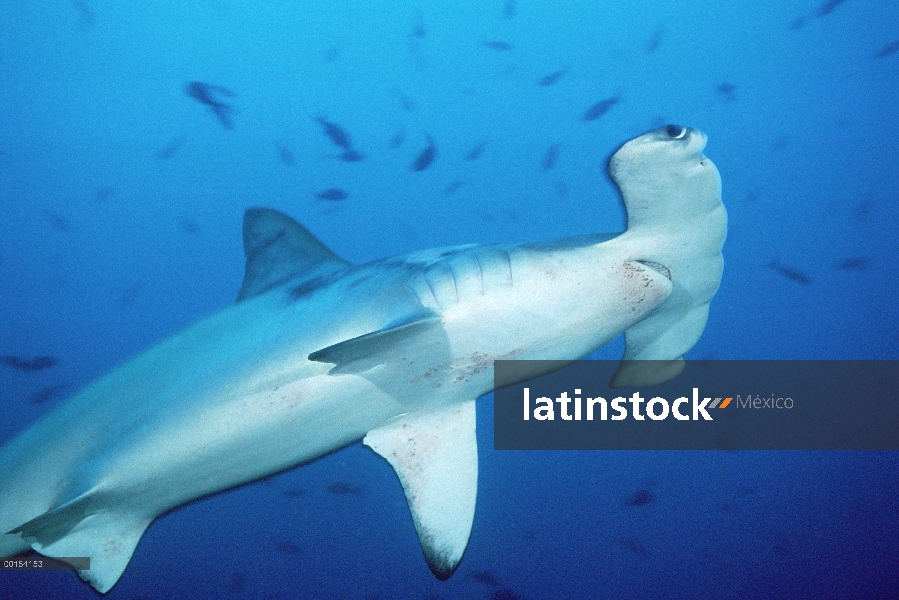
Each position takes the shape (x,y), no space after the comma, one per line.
(675,132)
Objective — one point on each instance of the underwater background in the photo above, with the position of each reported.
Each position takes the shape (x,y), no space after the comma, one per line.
(133,135)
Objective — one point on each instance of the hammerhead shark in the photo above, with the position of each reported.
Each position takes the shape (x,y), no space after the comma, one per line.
(317,354)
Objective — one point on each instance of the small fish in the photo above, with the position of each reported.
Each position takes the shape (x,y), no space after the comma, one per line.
(294,493)
(828,7)
(419,31)
(405,103)
(550,157)
(57,221)
(505,594)
(728,91)
(453,187)
(336,134)
(888,50)
(641,498)
(655,41)
(351,156)
(238,583)
(426,157)
(190,226)
(284,153)
(130,295)
(38,363)
(857,263)
(103,195)
(509,9)
(798,23)
(633,545)
(332,195)
(790,273)
(286,546)
(601,108)
(169,150)
(398,138)
(204,92)
(334,51)
(88,16)
(487,578)
(46,393)
(498,45)
(863,210)
(552,78)
(342,488)
(475,153)
(561,189)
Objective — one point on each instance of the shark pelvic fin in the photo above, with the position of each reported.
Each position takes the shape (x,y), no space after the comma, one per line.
(85,527)
(278,248)
(363,352)
(435,456)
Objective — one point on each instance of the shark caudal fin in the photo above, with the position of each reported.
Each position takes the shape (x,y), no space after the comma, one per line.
(278,249)
(86,527)
(435,456)
(676,224)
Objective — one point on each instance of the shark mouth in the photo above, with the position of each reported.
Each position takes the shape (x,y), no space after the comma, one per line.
(657,267)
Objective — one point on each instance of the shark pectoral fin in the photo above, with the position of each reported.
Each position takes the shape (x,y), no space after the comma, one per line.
(654,348)
(278,248)
(435,456)
(363,352)
(87,527)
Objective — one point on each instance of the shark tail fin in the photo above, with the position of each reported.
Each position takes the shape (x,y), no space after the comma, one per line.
(86,527)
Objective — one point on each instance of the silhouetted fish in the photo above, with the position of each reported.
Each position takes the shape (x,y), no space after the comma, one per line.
(398,138)
(130,294)
(632,545)
(38,363)
(475,153)
(170,150)
(286,546)
(655,40)
(103,195)
(451,189)
(790,273)
(497,45)
(641,498)
(798,22)
(342,488)
(88,16)
(57,221)
(238,583)
(332,195)
(204,92)
(888,50)
(335,133)
(728,91)
(505,594)
(509,9)
(857,263)
(294,493)
(828,7)
(426,157)
(46,393)
(351,156)
(601,108)
(550,157)
(552,78)
(487,578)
(190,226)
(284,153)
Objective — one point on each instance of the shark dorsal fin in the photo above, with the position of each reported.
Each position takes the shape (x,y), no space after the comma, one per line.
(278,248)
(435,456)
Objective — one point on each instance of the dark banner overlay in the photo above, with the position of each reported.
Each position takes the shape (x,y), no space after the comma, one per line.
(711,405)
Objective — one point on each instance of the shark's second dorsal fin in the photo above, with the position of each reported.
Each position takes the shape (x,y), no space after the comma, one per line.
(278,248)
(435,456)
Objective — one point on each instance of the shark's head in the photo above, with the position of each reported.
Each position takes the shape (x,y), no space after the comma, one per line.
(664,176)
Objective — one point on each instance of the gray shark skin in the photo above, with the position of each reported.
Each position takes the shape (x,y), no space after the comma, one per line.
(318,354)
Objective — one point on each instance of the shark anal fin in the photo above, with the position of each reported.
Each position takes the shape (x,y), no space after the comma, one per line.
(435,456)
(278,248)
(84,527)
(363,352)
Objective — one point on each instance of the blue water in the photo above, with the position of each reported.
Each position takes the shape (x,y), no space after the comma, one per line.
(121,201)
